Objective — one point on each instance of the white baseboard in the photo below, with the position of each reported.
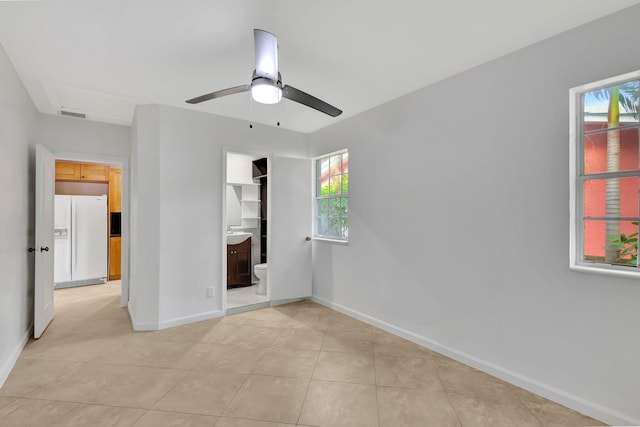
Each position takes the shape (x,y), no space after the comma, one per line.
(245,308)
(284,301)
(178,321)
(8,365)
(569,400)
(140,326)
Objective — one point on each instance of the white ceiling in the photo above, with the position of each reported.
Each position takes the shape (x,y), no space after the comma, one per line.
(103,57)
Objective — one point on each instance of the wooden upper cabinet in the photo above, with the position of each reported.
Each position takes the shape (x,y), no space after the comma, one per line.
(66,171)
(93,172)
(115,190)
(69,171)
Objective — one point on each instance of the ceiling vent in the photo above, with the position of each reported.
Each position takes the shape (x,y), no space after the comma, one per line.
(72,114)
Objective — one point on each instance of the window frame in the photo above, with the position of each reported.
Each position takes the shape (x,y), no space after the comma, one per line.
(334,239)
(577,177)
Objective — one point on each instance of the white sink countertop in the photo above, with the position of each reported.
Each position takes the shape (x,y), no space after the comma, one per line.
(236,237)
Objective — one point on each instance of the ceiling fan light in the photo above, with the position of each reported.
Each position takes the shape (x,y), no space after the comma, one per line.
(266,93)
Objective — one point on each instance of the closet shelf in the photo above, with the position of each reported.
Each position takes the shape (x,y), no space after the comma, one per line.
(242,183)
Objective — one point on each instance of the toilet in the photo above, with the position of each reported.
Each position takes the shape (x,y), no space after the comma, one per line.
(260,271)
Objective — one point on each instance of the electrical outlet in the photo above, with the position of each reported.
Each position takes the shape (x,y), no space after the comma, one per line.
(211,292)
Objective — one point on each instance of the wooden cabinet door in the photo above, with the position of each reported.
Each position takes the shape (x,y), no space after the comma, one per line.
(231,263)
(115,190)
(67,171)
(115,255)
(94,172)
(243,263)
(239,264)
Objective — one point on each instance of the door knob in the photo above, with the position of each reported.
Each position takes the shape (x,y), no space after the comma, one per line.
(308,238)
(31,250)
(45,249)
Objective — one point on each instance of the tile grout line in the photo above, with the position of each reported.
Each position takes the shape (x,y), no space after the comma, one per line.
(311,378)
(81,403)
(455,411)
(140,417)
(128,365)
(542,424)
(48,382)
(446,393)
(67,413)
(171,388)
(223,414)
(375,382)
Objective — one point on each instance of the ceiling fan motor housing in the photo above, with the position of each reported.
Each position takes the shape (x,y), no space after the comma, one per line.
(265,80)
(266,90)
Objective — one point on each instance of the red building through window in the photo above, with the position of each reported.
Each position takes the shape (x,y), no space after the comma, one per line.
(595,161)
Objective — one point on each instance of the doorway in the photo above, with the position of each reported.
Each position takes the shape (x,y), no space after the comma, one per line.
(247,231)
(88,230)
(285,212)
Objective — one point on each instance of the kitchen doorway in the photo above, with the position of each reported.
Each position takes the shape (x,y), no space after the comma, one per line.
(100,181)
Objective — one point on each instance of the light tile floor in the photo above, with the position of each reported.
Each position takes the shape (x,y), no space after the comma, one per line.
(239,297)
(298,364)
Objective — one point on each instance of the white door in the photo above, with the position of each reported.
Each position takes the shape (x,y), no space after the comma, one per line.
(89,237)
(289,265)
(45,190)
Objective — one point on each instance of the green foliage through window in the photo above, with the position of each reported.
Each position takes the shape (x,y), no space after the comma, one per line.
(332,196)
(627,246)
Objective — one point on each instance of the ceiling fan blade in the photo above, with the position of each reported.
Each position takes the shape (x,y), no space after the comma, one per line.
(301,97)
(266,54)
(219,94)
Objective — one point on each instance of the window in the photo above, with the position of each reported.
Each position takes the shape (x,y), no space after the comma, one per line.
(332,196)
(605,176)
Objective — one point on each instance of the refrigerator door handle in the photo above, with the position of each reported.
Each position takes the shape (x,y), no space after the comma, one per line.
(74,236)
(67,265)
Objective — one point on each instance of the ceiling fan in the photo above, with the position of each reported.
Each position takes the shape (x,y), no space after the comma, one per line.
(266,84)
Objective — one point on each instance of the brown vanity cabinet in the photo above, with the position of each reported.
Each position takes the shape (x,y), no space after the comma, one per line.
(239,264)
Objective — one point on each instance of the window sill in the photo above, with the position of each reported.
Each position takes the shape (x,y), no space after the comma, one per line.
(329,240)
(606,271)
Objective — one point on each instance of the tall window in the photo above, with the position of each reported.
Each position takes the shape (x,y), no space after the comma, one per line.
(606,176)
(332,196)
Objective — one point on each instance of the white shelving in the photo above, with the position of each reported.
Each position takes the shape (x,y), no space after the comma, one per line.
(243,184)
(249,204)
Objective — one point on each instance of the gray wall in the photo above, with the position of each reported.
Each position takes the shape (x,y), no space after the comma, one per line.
(21,127)
(17,187)
(144,290)
(67,135)
(177,168)
(459,225)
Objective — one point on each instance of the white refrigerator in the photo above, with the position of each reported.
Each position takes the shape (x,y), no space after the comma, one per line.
(80,236)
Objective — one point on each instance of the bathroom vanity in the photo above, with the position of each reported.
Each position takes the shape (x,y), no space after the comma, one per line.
(239,264)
